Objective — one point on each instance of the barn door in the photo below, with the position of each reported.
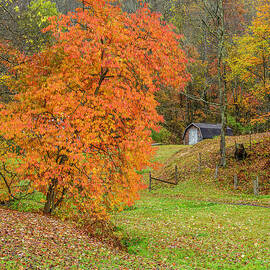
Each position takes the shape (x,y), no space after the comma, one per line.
(193,136)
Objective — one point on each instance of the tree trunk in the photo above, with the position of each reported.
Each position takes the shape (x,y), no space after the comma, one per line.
(222,137)
(221,83)
(50,197)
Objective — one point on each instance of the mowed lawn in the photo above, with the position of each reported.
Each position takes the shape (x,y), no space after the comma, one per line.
(184,227)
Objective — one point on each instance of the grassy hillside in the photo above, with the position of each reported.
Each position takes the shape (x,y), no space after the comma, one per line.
(202,223)
(256,164)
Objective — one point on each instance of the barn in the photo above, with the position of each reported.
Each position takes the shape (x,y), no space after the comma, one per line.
(197,132)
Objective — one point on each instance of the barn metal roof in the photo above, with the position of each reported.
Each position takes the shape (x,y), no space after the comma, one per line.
(209,131)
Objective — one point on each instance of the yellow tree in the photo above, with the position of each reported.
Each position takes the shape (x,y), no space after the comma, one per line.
(250,59)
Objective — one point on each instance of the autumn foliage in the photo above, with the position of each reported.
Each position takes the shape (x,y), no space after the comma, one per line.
(249,63)
(85,106)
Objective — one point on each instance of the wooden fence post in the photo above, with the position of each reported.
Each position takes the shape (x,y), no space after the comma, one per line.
(200,162)
(216,172)
(235,182)
(256,186)
(150,181)
(250,140)
(176,175)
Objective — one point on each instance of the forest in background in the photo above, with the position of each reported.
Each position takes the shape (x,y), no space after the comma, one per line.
(233,56)
(230,56)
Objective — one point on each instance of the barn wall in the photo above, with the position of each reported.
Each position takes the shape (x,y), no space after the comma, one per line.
(200,137)
(186,138)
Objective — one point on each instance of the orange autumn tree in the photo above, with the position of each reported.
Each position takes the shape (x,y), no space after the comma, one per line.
(85,106)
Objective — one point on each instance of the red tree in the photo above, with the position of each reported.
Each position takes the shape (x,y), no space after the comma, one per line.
(85,105)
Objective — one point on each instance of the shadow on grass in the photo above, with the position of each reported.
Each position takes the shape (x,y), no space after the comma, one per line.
(136,245)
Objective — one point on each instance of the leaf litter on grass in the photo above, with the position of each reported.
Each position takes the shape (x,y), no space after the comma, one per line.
(34,241)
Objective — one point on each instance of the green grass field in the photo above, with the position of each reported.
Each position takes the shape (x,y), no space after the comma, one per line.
(196,235)
(189,226)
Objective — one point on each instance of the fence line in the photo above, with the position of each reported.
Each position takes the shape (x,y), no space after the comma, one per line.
(162,180)
(199,169)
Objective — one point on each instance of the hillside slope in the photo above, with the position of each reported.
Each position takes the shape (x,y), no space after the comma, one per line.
(257,163)
(33,241)
(202,222)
